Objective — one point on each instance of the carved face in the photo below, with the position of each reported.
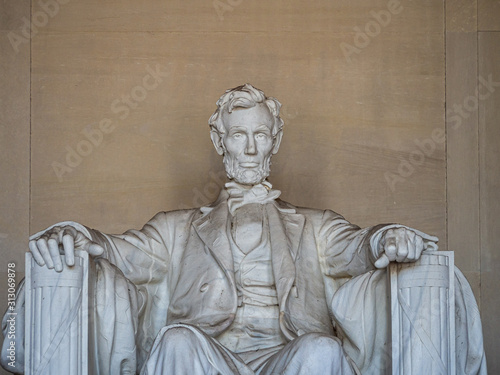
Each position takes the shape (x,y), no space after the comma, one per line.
(248,144)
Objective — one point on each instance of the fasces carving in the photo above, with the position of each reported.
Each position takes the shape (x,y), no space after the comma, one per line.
(423,315)
(57,318)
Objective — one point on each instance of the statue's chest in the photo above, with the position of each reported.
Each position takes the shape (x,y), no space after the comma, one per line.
(247,226)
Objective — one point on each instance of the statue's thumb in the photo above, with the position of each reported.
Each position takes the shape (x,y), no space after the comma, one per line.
(88,245)
(382,262)
(95,249)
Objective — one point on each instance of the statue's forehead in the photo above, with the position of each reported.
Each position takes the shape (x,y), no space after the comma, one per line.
(247,117)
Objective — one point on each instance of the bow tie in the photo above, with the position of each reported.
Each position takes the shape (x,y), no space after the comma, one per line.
(240,195)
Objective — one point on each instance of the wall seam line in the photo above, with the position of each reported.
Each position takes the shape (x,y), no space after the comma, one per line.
(30,125)
(479,164)
(445,32)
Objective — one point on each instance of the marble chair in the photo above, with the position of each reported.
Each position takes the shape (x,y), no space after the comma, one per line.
(60,315)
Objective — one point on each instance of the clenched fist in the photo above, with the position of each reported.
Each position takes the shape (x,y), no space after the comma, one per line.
(401,245)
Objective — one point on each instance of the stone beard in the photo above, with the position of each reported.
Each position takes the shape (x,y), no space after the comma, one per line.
(246,176)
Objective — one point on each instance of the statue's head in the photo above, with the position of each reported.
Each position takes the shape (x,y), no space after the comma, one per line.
(246,128)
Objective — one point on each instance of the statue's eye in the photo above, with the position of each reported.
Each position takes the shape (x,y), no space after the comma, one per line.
(237,135)
(260,136)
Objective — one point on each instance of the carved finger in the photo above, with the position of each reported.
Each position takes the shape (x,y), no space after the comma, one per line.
(390,248)
(402,233)
(431,244)
(36,253)
(419,247)
(410,244)
(69,249)
(95,249)
(402,250)
(56,256)
(53,235)
(41,244)
(382,262)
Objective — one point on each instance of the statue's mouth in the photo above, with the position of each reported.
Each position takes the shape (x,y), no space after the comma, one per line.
(249,165)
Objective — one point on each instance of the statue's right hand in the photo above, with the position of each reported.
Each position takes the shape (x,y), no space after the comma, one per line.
(49,246)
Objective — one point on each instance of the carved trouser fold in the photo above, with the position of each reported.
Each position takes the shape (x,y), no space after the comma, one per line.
(185,349)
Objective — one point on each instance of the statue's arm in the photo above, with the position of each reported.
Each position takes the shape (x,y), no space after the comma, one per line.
(142,255)
(345,249)
(348,250)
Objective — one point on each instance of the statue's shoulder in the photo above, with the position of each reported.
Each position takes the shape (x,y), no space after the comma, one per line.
(176,216)
(307,211)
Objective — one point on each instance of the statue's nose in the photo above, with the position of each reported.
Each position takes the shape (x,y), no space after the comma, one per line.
(250,149)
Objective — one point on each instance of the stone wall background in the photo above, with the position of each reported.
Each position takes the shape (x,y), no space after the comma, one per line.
(104,111)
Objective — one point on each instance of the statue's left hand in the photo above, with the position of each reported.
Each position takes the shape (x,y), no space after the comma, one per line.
(400,245)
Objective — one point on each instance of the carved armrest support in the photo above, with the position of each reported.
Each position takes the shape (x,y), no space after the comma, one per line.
(422,315)
(57,325)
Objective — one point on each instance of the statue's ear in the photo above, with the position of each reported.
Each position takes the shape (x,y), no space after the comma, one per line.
(277,141)
(217,141)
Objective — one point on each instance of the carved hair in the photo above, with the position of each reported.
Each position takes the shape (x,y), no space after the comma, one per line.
(245,96)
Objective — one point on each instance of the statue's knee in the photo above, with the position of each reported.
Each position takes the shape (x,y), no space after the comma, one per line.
(320,345)
(178,337)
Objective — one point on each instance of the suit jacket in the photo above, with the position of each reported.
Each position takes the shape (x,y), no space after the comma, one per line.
(181,263)
(179,268)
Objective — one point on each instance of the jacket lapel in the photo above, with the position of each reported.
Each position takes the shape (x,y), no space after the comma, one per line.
(294,226)
(212,229)
(285,233)
(285,227)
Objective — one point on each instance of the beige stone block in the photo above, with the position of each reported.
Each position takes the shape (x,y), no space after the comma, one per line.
(489,138)
(159,156)
(236,16)
(461,15)
(462,153)
(12,13)
(488,15)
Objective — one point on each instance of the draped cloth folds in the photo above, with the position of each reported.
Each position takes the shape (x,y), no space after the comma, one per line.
(361,310)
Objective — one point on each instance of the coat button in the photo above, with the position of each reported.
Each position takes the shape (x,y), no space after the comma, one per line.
(204,287)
